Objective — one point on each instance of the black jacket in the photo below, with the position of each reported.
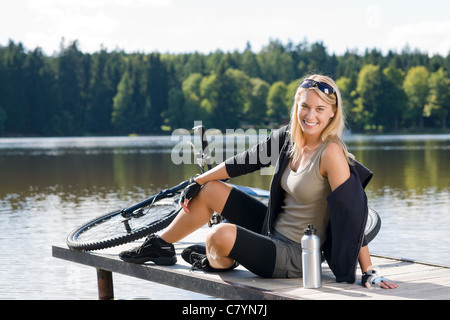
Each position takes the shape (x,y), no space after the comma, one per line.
(348,203)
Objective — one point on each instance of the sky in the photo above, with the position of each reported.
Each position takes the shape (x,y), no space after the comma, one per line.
(180,26)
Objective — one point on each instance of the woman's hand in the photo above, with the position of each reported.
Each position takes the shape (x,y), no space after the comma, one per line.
(387,284)
(371,278)
(189,193)
(219,172)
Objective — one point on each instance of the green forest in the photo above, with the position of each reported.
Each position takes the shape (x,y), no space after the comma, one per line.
(72,93)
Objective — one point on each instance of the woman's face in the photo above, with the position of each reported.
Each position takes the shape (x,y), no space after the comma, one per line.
(314,114)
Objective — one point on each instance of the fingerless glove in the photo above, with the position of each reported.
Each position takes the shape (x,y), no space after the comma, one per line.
(191,190)
(372,278)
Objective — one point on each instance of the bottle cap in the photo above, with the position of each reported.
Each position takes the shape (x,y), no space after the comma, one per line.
(310,230)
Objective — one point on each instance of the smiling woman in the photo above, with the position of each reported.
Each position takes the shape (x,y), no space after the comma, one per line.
(317,106)
(316,186)
(312,113)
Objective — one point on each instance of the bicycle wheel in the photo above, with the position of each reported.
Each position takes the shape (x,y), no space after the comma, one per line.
(373,225)
(112,229)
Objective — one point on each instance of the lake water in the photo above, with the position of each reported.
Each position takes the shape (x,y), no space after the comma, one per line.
(50,185)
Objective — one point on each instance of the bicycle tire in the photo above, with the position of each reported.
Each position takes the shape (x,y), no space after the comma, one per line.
(108,230)
(373,225)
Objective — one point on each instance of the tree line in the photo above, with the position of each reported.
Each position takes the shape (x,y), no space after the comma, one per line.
(115,93)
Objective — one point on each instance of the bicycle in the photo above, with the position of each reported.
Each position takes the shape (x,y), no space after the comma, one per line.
(158,211)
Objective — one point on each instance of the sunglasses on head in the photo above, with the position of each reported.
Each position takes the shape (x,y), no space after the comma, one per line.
(322,86)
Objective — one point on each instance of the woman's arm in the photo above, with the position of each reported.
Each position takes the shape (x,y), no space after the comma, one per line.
(334,165)
(364,259)
(219,172)
(263,154)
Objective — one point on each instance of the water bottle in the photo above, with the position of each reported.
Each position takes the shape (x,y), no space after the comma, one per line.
(311,259)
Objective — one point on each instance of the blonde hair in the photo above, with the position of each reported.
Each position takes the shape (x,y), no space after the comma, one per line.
(333,132)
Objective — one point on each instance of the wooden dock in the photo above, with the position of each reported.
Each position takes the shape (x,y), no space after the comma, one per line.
(416,280)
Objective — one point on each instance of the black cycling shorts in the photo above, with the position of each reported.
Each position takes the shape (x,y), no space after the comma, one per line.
(271,256)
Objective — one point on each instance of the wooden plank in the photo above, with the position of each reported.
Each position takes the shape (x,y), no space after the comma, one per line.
(176,276)
(417,281)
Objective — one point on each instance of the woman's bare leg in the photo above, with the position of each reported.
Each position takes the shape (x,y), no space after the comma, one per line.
(219,243)
(211,198)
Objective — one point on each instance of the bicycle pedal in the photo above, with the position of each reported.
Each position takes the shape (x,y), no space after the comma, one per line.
(215,219)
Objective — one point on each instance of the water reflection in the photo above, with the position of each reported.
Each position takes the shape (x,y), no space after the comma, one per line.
(410,165)
(50,185)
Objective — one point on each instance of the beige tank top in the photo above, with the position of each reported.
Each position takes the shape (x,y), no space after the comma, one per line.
(305,200)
